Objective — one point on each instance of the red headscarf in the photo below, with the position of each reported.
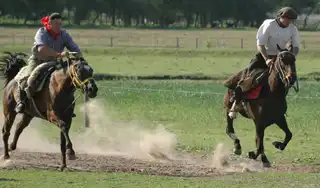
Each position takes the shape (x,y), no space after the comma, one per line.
(45,22)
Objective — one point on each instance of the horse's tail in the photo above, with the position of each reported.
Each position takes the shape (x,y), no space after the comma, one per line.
(11,64)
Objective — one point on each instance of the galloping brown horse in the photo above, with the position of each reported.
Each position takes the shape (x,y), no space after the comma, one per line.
(269,107)
(53,102)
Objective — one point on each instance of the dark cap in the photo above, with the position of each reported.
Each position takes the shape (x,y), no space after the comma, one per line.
(55,16)
(288,12)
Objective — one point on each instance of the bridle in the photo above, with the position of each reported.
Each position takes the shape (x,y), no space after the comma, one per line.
(285,75)
(76,81)
(75,78)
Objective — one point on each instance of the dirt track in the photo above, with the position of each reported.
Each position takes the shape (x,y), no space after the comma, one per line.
(23,160)
(111,146)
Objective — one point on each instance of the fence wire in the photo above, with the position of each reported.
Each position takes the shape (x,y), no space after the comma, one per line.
(187,91)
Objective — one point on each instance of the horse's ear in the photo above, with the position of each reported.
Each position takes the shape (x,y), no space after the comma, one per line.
(278,48)
(290,48)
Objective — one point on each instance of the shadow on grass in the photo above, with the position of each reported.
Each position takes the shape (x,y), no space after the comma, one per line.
(7,179)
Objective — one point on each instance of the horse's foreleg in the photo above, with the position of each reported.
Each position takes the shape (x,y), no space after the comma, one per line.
(65,128)
(24,122)
(260,146)
(237,99)
(63,151)
(232,112)
(9,119)
(283,125)
(230,132)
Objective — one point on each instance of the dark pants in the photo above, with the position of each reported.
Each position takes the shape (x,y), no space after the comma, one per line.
(257,62)
(250,77)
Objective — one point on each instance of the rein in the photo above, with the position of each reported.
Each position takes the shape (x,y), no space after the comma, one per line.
(74,77)
(285,77)
(77,83)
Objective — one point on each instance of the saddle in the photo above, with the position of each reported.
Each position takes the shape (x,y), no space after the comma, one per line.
(252,79)
(43,74)
(43,78)
(250,82)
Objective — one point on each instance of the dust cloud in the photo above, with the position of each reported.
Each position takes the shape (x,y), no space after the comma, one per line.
(126,139)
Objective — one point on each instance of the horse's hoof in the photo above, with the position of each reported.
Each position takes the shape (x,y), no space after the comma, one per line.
(278,145)
(266,165)
(62,167)
(232,115)
(6,157)
(237,151)
(12,147)
(251,155)
(72,157)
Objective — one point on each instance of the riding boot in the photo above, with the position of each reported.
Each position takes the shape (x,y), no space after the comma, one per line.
(21,104)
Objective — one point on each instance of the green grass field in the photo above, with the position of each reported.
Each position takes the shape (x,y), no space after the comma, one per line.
(192,110)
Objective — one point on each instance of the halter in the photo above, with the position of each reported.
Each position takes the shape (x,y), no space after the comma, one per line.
(75,78)
(285,77)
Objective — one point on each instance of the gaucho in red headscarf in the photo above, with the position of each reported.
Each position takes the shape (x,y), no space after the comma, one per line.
(52,24)
(49,44)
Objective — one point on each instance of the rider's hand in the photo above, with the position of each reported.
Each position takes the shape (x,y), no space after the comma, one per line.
(64,54)
(269,62)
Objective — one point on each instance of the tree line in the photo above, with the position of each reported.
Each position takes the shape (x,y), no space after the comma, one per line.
(163,13)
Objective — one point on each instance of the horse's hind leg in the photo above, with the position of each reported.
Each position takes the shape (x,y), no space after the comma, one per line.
(282,124)
(23,123)
(230,132)
(9,119)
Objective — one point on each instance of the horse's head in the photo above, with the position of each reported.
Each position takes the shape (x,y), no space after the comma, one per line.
(81,74)
(285,65)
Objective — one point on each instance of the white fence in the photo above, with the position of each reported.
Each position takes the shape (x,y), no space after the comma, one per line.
(156,42)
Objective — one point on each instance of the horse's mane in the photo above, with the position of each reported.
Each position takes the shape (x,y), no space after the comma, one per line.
(10,65)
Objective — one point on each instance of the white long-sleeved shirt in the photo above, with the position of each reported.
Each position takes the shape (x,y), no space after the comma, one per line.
(270,34)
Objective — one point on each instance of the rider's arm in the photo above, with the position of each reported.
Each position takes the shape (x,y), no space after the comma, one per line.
(41,45)
(262,49)
(70,44)
(295,40)
(46,51)
(262,39)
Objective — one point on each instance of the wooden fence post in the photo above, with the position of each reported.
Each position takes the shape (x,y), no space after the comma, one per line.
(111,41)
(86,117)
(197,43)
(178,43)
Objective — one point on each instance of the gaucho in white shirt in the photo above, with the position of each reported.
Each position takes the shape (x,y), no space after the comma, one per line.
(272,32)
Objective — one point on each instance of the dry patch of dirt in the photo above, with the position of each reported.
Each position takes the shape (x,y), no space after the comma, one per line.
(125,146)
